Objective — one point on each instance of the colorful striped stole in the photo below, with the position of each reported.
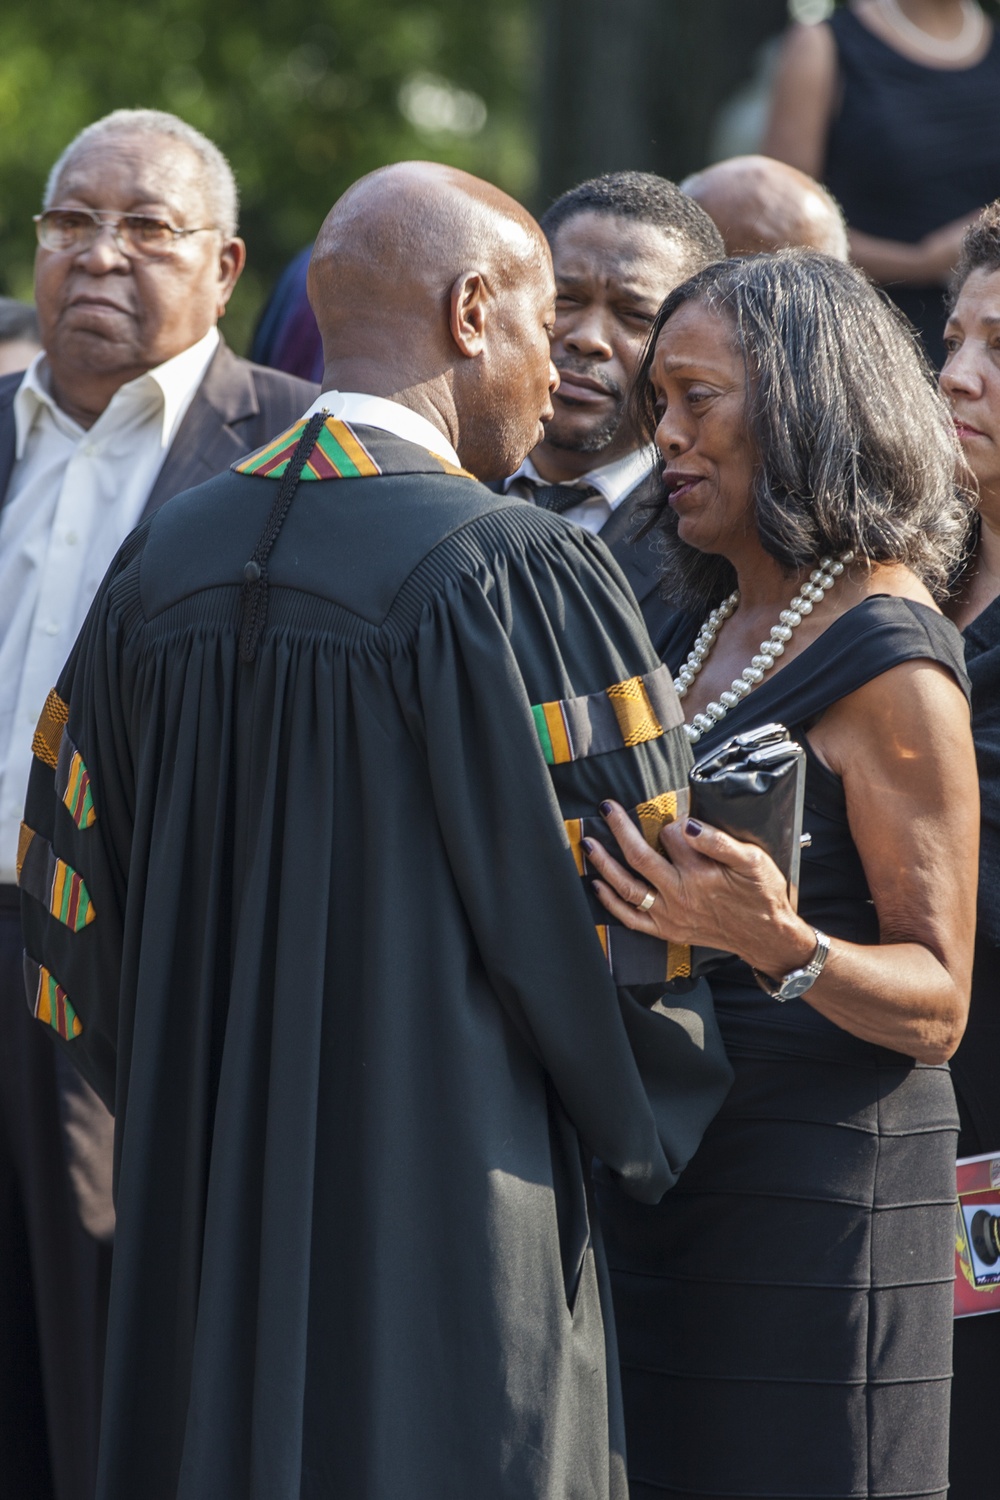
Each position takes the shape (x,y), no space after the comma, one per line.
(344,452)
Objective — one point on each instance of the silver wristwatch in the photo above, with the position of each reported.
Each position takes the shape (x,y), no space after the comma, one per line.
(799,980)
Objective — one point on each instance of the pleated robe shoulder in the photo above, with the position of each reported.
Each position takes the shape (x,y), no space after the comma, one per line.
(341,978)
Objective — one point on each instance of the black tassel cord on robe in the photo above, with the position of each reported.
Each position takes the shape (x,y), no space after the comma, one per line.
(343,986)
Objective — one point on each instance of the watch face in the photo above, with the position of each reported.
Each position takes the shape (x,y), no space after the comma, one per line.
(796,985)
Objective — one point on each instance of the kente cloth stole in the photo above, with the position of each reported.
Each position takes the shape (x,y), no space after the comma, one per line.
(624,714)
(345,452)
(48,1001)
(621,717)
(52,881)
(48,879)
(634,957)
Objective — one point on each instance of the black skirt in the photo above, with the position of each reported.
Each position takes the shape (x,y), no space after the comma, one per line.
(785,1314)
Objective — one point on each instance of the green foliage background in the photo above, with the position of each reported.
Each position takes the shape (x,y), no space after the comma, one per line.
(302,95)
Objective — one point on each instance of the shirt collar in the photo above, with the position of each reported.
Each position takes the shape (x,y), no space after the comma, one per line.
(360,410)
(179,378)
(613,481)
(171,384)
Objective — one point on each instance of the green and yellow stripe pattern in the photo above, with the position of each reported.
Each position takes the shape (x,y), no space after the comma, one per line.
(48,1001)
(73,785)
(50,880)
(338,454)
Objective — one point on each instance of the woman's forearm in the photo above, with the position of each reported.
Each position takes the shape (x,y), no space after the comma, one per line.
(896,995)
(929,262)
(888,261)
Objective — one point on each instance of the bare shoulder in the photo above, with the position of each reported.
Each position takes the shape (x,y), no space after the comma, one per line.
(900,725)
(904,705)
(810,43)
(802,99)
(807,60)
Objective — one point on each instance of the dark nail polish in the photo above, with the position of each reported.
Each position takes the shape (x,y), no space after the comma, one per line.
(606,809)
(587,845)
(692,828)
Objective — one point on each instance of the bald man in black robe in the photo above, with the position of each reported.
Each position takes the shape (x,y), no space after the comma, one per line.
(306,900)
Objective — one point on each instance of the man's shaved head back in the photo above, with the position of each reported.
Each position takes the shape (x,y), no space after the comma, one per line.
(760,204)
(435,288)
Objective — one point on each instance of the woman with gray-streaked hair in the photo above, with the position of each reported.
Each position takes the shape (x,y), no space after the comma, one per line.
(785,1313)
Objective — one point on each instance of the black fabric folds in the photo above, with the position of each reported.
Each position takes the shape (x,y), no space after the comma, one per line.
(345,996)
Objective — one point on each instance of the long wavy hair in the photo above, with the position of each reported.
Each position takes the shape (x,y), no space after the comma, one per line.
(855,447)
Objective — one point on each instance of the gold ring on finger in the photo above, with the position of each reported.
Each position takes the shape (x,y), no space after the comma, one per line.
(646,901)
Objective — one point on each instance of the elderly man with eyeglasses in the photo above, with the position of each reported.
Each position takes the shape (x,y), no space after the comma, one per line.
(134,398)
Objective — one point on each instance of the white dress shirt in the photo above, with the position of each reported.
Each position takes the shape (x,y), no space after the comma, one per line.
(612,481)
(358,410)
(74,495)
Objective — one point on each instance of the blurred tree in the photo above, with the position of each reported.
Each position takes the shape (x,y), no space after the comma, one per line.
(305,95)
(638,83)
(302,95)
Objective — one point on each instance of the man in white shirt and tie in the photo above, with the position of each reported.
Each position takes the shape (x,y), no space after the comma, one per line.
(620,243)
(134,398)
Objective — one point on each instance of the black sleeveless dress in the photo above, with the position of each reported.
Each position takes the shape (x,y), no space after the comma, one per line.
(910,149)
(785,1314)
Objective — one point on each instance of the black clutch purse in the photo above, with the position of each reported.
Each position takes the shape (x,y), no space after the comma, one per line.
(753,788)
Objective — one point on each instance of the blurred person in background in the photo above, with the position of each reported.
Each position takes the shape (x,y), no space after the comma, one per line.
(134,398)
(785,1313)
(620,243)
(19,336)
(970,380)
(287,335)
(759,204)
(893,105)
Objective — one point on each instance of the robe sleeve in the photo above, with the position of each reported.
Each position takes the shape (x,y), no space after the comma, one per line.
(541,696)
(74,848)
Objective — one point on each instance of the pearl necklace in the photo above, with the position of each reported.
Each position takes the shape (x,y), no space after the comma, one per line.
(963,45)
(821,580)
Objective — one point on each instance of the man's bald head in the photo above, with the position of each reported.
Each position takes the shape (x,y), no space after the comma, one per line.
(417,222)
(435,288)
(760,204)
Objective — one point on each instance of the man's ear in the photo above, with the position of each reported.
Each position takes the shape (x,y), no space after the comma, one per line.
(231,263)
(467,313)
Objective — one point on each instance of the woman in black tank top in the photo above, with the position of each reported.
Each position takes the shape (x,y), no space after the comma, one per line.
(902,125)
(785,1314)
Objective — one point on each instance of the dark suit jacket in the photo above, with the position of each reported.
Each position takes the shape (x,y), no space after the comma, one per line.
(638,560)
(237,408)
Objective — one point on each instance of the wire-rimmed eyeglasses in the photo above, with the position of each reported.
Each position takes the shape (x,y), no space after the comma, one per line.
(135,234)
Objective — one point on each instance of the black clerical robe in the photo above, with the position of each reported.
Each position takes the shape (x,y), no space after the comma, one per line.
(315,928)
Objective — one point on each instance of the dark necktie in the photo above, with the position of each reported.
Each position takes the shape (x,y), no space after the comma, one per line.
(560,497)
